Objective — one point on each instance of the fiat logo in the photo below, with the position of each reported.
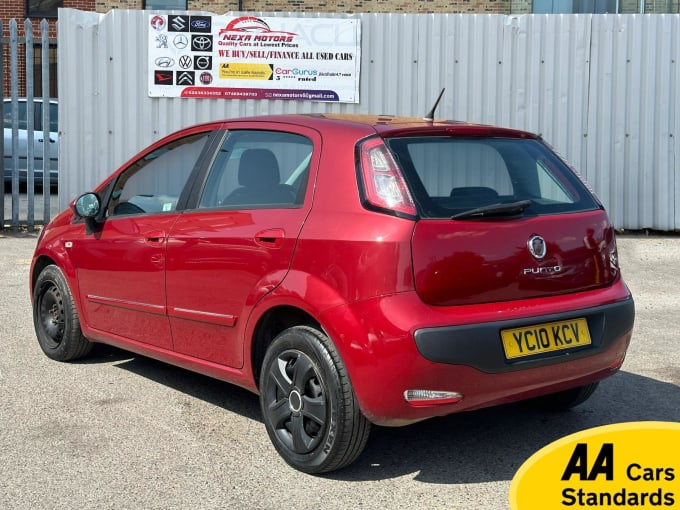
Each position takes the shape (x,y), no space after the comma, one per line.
(537,247)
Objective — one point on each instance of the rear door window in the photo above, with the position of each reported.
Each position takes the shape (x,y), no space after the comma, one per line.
(449,175)
(259,169)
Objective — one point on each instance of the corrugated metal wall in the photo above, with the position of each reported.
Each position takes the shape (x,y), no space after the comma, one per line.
(600,88)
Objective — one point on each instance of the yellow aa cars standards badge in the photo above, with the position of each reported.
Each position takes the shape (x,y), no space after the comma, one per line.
(627,465)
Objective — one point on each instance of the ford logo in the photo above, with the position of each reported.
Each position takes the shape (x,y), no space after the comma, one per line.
(200,23)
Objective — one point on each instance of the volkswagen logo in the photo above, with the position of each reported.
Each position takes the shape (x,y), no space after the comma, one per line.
(185,61)
(201,43)
(180,41)
(164,62)
(537,247)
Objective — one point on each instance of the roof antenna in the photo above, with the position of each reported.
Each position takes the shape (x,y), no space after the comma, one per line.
(430,115)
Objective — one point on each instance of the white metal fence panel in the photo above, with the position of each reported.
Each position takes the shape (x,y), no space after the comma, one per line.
(599,88)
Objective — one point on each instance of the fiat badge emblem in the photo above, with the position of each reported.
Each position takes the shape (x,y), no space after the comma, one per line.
(537,247)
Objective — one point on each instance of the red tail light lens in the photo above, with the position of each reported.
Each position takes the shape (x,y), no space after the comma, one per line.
(384,185)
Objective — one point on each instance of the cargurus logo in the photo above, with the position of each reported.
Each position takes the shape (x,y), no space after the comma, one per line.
(296,72)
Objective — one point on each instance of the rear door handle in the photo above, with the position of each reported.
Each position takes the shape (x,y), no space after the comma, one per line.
(270,238)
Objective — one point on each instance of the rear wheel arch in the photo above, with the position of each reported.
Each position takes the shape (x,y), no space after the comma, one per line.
(269,325)
(308,404)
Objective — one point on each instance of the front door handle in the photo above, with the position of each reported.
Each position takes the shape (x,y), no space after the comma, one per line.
(270,238)
(156,237)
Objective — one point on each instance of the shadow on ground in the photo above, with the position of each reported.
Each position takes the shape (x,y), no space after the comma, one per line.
(482,446)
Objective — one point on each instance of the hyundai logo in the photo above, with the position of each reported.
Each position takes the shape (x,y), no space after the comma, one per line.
(164,62)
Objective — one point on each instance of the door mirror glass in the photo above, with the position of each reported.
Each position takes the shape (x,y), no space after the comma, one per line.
(87,205)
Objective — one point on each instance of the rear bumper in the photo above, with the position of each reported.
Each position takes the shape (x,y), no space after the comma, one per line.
(478,345)
(396,343)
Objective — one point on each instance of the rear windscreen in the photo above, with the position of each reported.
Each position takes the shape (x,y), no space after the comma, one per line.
(448,176)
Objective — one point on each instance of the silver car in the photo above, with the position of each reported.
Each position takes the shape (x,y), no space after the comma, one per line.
(39,140)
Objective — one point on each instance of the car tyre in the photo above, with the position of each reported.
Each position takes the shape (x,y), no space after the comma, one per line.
(565,400)
(55,317)
(310,411)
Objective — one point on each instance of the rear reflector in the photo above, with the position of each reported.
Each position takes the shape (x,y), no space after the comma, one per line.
(421,398)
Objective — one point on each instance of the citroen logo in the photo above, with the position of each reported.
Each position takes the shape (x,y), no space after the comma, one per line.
(537,247)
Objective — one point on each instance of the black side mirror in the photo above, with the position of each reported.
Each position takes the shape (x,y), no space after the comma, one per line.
(88,206)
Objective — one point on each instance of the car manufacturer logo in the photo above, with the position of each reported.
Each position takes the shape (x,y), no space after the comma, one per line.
(180,41)
(185,78)
(201,24)
(203,62)
(201,43)
(206,78)
(537,247)
(164,62)
(162,77)
(162,41)
(178,23)
(185,62)
(158,22)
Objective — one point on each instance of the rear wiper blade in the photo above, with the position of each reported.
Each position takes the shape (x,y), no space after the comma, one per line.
(494,210)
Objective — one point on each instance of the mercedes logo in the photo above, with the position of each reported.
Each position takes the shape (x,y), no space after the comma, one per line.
(201,43)
(180,41)
(537,247)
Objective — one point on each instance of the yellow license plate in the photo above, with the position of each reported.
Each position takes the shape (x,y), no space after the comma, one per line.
(541,338)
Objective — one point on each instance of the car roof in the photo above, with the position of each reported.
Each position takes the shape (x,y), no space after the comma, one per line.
(392,125)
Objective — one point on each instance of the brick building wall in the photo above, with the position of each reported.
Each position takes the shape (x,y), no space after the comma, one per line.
(331,6)
(16,9)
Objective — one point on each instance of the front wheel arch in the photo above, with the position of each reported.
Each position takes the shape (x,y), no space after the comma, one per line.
(55,316)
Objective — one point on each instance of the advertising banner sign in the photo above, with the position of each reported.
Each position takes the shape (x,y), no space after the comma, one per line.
(224,57)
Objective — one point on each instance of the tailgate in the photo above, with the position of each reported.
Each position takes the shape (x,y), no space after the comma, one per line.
(471,261)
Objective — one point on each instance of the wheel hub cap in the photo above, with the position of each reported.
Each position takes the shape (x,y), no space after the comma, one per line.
(295,401)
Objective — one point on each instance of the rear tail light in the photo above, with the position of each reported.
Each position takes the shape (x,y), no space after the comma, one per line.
(383,184)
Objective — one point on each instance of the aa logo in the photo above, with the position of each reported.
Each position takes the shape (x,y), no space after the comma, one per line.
(627,465)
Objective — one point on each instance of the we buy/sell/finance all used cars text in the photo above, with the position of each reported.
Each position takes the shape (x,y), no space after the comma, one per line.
(348,269)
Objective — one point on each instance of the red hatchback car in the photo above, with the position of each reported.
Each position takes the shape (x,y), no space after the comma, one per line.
(349,269)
